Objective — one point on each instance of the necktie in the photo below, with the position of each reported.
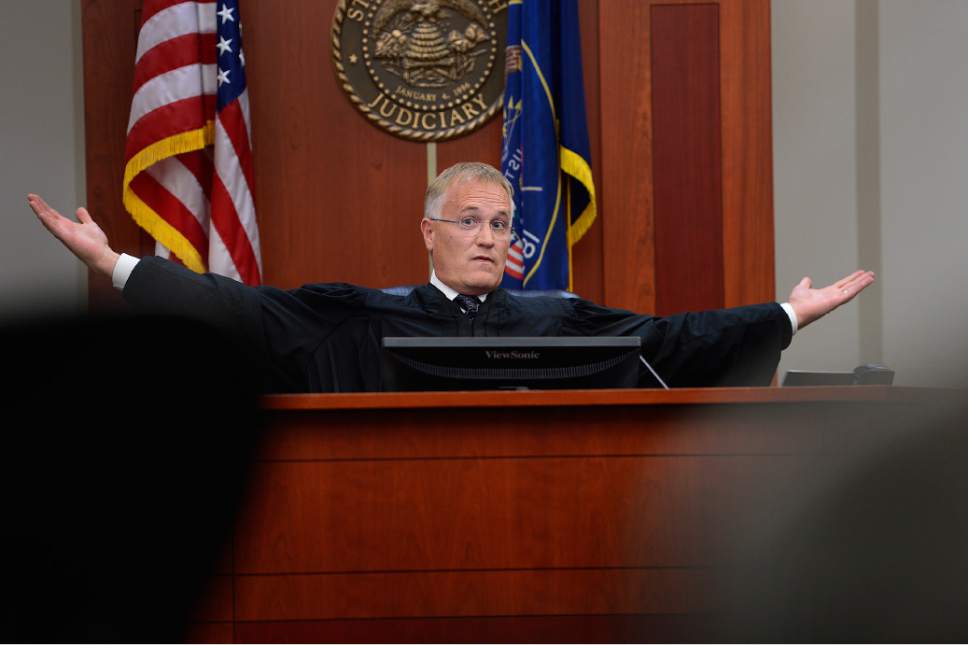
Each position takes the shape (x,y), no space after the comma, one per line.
(470,304)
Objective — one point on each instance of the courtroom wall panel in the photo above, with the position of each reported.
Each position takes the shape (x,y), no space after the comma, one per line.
(686,153)
(109,34)
(685,213)
(687,156)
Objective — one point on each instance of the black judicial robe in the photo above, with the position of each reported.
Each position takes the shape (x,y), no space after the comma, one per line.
(327,337)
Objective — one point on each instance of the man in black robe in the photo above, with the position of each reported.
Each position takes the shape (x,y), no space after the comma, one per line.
(326,337)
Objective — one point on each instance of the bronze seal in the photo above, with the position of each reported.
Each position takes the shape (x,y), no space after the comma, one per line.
(422,69)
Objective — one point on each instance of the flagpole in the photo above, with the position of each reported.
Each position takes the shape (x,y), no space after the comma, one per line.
(431,175)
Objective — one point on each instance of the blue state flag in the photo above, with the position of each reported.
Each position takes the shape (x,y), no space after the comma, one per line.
(545,152)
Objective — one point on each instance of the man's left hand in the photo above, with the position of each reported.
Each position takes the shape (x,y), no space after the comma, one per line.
(810,304)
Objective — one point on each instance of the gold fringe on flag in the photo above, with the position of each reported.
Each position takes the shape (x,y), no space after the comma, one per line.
(144,215)
(576,166)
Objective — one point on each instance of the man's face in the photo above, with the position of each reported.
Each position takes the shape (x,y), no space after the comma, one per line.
(471,263)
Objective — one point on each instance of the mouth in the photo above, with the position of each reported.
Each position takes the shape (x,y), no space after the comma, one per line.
(483,258)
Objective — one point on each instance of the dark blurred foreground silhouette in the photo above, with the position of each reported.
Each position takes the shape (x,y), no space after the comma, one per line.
(127,444)
(872,546)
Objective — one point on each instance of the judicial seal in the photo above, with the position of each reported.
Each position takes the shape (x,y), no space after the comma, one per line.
(426,70)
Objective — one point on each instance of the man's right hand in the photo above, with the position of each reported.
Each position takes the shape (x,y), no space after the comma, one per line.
(85,239)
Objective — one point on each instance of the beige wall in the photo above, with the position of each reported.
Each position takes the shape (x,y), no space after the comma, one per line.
(815,179)
(41,136)
(924,187)
(871,169)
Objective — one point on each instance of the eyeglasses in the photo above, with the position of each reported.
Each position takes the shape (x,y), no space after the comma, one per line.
(470,225)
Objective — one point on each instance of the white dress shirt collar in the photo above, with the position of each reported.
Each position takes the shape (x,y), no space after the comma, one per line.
(446,290)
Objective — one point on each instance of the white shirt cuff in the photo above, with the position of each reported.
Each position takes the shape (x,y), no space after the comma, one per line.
(122,270)
(788,308)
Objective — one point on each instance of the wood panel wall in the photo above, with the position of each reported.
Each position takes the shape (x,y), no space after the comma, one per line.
(678,100)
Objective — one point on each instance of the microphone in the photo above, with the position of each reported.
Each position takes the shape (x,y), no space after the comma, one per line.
(657,377)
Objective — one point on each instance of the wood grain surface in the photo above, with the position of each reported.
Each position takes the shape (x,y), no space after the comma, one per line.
(625,88)
(388,520)
(748,256)
(612,628)
(687,157)
(546,398)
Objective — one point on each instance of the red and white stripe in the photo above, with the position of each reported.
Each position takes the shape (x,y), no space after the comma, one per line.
(206,196)
(515,263)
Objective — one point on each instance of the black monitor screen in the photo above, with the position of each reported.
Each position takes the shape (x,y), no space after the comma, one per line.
(477,363)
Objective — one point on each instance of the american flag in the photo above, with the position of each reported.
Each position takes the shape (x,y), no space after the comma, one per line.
(188,160)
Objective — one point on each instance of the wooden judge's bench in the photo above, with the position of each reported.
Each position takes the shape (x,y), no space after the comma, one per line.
(583,515)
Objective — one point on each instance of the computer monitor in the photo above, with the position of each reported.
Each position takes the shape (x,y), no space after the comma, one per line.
(484,363)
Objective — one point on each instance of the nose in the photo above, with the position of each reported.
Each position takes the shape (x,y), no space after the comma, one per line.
(485,236)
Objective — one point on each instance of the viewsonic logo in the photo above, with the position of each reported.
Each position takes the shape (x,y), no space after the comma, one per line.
(513,355)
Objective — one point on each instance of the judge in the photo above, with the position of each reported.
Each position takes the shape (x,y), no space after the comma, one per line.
(326,337)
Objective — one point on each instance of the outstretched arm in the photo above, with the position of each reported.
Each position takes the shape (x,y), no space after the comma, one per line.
(811,304)
(83,238)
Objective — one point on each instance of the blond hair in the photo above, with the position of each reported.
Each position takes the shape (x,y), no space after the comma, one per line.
(460,172)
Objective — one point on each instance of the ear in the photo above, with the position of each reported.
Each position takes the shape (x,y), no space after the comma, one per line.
(427,230)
